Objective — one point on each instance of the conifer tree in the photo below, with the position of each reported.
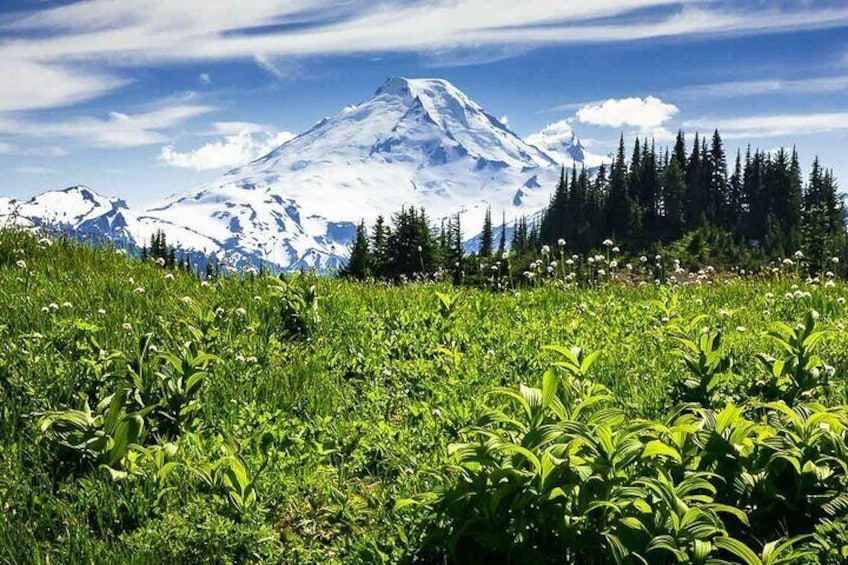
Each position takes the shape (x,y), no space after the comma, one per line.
(486,236)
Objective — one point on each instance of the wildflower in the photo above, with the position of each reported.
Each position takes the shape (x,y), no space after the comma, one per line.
(550,269)
(591,260)
(546,250)
(616,249)
(21,263)
(788,262)
(561,242)
(629,266)
(835,260)
(420,249)
(799,255)
(769,295)
(613,264)
(829,284)
(131,280)
(45,241)
(139,290)
(204,283)
(494,267)
(67,305)
(169,277)
(601,272)
(186,299)
(554,264)
(840,300)
(658,258)
(101,311)
(643,259)
(569,262)
(829,274)
(724,313)
(740,328)
(608,243)
(160,261)
(241,312)
(45,309)
(54,306)
(505,255)
(127,326)
(257,298)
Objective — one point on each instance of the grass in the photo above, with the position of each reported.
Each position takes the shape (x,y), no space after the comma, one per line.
(313,418)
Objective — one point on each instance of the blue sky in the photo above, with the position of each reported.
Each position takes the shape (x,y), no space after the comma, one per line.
(144,98)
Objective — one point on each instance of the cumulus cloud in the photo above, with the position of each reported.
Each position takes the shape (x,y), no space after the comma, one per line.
(647,115)
(74,52)
(233,150)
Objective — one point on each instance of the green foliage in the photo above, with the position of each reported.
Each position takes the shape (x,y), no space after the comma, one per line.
(149,416)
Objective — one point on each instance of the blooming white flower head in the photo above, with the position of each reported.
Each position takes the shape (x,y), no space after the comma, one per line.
(420,249)
(658,258)
(616,249)
(241,312)
(599,258)
(67,305)
(608,243)
(101,311)
(613,264)
(629,266)
(169,276)
(799,254)
(505,255)
(591,260)
(840,300)
(494,267)
(21,263)
(546,250)
(830,284)
(561,242)
(53,306)
(643,259)
(769,295)
(550,269)
(601,272)
(139,290)
(257,298)
(127,326)
(554,264)
(740,328)
(835,260)
(45,309)
(186,299)
(829,274)
(160,261)
(788,262)
(569,262)
(45,241)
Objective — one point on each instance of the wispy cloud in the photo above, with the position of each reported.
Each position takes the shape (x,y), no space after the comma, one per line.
(75,52)
(775,125)
(115,130)
(736,89)
(34,170)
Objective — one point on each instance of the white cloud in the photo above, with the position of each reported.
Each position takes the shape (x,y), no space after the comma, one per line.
(204,78)
(775,125)
(74,52)
(504,120)
(116,130)
(734,89)
(643,113)
(231,151)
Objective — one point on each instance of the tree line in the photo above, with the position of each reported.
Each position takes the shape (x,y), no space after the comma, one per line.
(760,209)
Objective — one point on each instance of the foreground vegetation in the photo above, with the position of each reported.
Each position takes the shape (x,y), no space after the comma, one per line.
(147,416)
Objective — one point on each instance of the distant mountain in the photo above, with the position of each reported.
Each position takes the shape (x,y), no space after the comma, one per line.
(560,142)
(418,142)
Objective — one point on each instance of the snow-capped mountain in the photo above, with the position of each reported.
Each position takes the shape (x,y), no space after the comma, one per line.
(78,208)
(415,142)
(560,142)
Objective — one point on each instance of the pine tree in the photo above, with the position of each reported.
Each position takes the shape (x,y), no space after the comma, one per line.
(618,204)
(502,239)
(360,258)
(486,236)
